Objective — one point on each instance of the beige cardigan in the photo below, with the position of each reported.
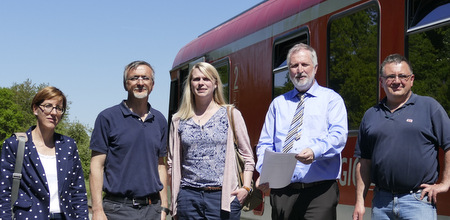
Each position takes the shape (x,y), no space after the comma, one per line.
(230,182)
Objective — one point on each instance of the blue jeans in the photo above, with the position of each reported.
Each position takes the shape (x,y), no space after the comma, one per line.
(386,205)
(199,204)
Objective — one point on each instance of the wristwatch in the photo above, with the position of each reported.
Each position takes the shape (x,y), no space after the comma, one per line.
(249,190)
(166,210)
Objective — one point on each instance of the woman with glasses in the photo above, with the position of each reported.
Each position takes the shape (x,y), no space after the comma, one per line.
(202,161)
(52,184)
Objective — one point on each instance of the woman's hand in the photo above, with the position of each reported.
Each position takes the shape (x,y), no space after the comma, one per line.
(241,194)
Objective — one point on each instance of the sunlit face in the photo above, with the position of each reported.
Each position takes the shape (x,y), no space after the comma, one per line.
(140,82)
(44,117)
(302,70)
(397,80)
(201,85)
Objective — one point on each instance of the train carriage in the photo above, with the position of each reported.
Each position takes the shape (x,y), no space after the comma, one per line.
(351,38)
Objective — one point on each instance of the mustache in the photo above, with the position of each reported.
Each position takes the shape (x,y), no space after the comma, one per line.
(141,88)
(298,75)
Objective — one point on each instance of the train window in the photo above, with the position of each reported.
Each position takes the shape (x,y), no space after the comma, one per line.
(428,50)
(281,81)
(176,85)
(353,60)
(223,67)
(173,101)
(427,14)
(183,76)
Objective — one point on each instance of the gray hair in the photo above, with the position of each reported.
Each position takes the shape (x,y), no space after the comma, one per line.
(301,46)
(132,66)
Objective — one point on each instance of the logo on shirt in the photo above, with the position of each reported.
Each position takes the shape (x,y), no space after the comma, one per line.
(409,120)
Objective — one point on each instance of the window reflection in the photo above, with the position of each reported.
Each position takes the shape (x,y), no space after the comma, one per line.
(353,61)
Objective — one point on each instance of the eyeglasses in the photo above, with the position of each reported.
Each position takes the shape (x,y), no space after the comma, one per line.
(136,78)
(48,108)
(401,77)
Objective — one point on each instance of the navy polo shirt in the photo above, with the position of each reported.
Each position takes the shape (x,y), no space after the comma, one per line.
(132,149)
(403,145)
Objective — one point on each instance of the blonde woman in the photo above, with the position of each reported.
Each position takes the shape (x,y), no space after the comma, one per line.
(202,162)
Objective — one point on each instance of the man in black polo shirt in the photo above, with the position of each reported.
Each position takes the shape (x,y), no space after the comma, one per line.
(128,146)
(398,146)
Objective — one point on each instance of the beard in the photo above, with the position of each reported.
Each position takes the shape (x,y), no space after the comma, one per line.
(302,84)
(140,95)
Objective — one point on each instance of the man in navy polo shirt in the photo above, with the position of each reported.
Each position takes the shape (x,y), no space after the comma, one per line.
(128,146)
(398,146)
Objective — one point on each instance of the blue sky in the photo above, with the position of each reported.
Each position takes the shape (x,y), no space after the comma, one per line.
(82,46)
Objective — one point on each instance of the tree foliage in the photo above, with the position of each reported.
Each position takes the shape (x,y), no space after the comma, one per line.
(16,116)
(23,94)
(353,62)
(429,54)
(10,114)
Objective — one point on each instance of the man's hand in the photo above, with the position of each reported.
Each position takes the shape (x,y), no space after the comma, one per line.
(306,156)
(359,211)
(433,191)
(163,215)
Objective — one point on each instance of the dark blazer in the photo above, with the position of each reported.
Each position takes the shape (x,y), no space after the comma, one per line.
(34,200)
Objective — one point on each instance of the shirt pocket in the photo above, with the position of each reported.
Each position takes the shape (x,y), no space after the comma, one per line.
(23,202)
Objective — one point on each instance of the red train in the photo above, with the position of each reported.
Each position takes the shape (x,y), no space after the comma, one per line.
(351,38)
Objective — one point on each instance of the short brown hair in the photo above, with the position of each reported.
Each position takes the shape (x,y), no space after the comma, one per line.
(47,93)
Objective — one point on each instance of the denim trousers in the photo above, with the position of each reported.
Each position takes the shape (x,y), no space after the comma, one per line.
(386,205)
(200,204)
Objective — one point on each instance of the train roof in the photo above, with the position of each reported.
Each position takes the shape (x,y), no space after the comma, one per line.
(248,22)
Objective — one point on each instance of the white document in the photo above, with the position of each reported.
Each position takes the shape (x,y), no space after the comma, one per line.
(277,169)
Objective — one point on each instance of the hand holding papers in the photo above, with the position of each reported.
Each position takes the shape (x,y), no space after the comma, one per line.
(277,169)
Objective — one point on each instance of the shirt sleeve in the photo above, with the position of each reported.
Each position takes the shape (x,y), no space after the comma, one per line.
(100,134)
(7,169)
(441,125)
(266,139)
(164,130)
(78,188)
(334,142)
(243,140)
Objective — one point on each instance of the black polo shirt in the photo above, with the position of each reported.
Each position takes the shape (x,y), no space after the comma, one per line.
(403,145)
(132,149)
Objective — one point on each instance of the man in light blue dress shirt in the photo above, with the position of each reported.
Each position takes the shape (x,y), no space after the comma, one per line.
(313,192)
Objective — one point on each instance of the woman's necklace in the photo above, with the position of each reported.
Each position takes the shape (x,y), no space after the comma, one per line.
(206,114)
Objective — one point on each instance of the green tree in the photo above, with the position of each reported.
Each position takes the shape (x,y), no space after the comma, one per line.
(23,96)
(10,114)
(16,115)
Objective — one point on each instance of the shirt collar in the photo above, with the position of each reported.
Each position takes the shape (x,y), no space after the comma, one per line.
(411,101)
(127,112)
(313,91)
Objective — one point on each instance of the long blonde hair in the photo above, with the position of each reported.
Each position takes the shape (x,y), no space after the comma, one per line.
(186,109)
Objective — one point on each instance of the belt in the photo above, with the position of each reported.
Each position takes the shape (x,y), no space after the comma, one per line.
(137,201)
(56,216)
(208,188)
(309,185)
(398,192)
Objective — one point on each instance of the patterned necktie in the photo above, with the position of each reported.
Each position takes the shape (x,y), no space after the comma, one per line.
(297,121)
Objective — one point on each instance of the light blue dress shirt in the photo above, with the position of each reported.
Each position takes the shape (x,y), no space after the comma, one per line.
(324,130)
